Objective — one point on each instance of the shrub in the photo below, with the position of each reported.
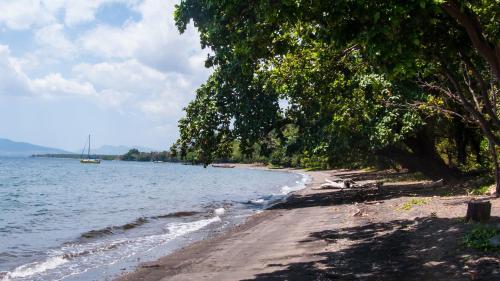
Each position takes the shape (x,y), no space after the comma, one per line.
(479,238)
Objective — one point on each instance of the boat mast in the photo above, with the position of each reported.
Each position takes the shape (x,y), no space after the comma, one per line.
(89,148)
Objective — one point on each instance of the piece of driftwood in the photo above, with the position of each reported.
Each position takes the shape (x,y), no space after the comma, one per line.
(337,184)
(359,213)
(369,184)
(478,211)
(390,187)
(438,183)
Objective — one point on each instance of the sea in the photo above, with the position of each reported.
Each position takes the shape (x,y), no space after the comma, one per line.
(63,220)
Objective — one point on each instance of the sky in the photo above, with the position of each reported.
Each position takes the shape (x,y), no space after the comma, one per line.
(117,69)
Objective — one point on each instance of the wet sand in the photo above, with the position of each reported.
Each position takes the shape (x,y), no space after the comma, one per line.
(320,234)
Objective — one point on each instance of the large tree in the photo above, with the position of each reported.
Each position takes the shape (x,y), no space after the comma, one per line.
(427,50)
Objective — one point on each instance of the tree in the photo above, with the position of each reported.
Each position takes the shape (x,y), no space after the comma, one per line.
(427,50)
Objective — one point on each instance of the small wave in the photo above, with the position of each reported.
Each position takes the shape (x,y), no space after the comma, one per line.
(138,222)
(178,229)
(301,184)
(35,268)
(177,215)
(69,252)
(113,229)
(260,201)
(76,258)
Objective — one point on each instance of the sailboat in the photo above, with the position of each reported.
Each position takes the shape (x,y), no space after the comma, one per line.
(88,160)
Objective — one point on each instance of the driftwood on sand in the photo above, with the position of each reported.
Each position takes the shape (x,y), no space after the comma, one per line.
(337,184)
(349,183)
(378,185)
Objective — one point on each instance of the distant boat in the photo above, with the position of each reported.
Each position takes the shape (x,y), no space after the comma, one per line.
(88,160)
(223,166)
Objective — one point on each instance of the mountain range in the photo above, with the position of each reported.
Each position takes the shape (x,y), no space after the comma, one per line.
(16,149)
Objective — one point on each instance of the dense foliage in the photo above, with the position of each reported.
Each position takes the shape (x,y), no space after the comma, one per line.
(344,83)
(136,155)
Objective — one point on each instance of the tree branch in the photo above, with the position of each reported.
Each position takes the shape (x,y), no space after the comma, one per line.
(473,28)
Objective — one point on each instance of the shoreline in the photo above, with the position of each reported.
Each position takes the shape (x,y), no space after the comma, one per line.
(124,240)
(320,234)
(148,270)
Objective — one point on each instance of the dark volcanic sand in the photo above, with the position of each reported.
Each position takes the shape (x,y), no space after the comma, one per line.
(316,236)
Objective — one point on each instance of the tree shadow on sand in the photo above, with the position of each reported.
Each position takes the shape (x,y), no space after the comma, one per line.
(426,248)
(349,196)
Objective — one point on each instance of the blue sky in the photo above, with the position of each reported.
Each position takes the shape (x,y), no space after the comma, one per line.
(117,69)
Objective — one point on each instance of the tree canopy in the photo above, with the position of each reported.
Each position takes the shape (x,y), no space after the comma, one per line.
(346,82)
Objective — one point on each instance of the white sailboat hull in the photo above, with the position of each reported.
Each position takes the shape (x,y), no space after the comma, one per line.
(90,161)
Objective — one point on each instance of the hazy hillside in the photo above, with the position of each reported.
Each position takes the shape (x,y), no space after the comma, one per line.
(13,148)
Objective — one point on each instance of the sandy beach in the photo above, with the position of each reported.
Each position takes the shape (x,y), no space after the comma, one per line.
(323,234)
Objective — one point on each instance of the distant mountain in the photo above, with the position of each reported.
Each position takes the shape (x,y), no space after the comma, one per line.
(117,149)
(14,148)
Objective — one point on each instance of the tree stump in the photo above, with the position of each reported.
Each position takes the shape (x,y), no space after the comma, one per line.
(478,211)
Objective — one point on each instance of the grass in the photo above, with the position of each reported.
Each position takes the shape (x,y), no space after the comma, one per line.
(482,190)
(272,166)
(309,169)
(479,238)
(411,203)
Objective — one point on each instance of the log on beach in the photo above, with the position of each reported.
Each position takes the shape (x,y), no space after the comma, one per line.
(336,184)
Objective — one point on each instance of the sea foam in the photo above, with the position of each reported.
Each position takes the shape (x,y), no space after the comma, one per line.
(62,263)
(31,269)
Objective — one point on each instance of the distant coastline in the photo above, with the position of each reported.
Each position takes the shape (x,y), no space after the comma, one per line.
(131,155)
(76,156)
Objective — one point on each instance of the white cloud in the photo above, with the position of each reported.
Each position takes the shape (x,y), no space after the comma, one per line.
(54,42)
(54,84)
(153,92)
(143,70)
(81,11)
(129,75)
(22,14)
(154,40)
(13,81)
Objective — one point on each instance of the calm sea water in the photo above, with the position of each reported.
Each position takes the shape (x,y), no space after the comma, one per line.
(62,220)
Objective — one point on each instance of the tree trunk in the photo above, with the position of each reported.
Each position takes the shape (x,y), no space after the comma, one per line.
(494,159)
(460,141)
(423,157)
(488,50)
(478,211)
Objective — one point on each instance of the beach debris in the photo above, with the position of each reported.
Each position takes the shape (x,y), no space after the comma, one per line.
(150,265)
(337,183)
(358,213)
(349,183)
(219,211)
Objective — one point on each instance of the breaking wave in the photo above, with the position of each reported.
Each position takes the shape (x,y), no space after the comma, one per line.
(63,262)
